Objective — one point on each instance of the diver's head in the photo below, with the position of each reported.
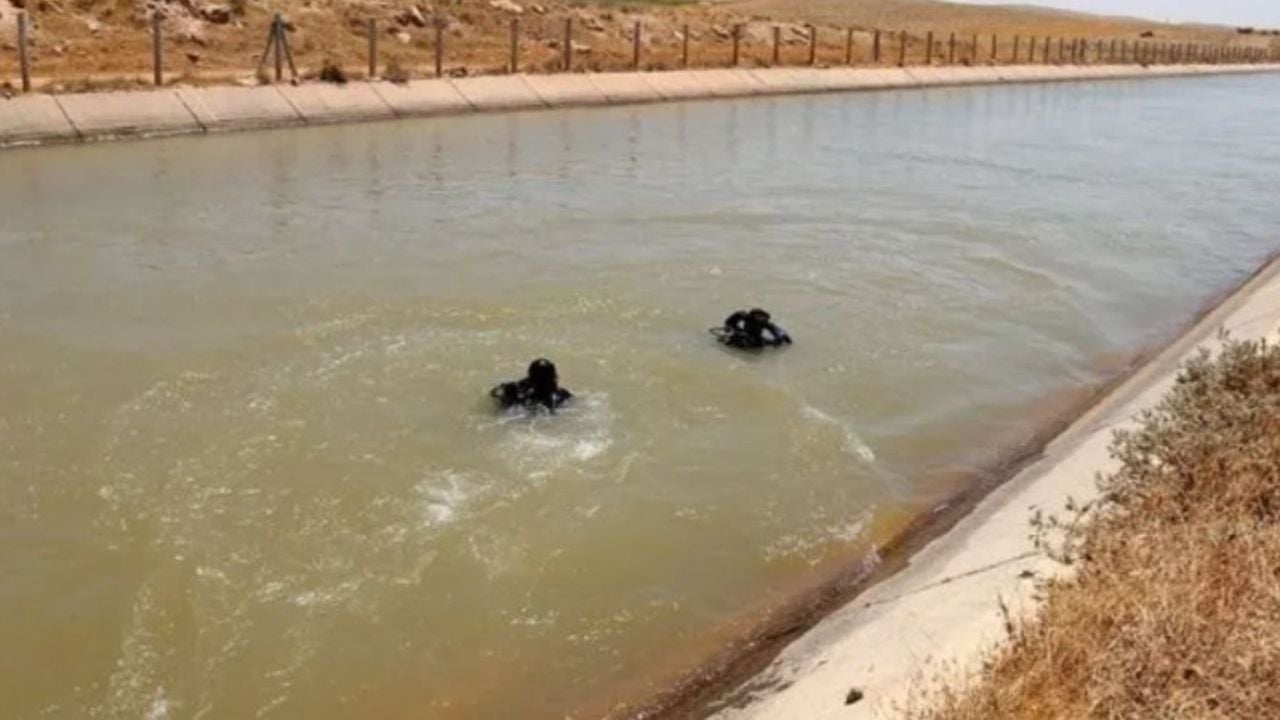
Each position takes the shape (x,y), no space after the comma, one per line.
(543,375)
(758,315)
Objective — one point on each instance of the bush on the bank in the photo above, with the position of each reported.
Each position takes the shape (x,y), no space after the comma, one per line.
(1174,609)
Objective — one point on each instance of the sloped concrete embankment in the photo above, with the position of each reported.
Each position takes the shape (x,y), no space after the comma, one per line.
(52,119)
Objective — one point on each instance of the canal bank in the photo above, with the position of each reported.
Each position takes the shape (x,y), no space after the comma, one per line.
(34,120)
(938,617)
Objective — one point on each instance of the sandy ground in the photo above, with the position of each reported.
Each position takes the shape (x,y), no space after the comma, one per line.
(934,620)
(85,44)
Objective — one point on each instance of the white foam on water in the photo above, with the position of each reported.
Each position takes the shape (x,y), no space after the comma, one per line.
(812,544)
(445,495)
(852,443)
(159,708)
(538,446)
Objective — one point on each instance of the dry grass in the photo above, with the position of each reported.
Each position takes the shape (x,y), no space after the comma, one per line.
(1174,608)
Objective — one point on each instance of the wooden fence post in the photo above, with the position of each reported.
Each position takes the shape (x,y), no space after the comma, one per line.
(1031,57)
(568,45)
(737,44)
(928,51)
(439,23)
(277,27)
(515,46)
(902,49)
(1017,40)
(973,54)
(288,51)
(635,46)
(995,53)
(24,56)
(813,45)
(1048,49)
(951,50)
(371,29)
(875,46)
(777,44)
(157,50)
(848,45)
(684,47)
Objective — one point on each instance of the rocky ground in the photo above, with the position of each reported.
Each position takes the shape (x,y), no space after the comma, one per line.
(79,44)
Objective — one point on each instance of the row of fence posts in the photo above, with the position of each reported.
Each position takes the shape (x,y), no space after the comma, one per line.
(1076,52)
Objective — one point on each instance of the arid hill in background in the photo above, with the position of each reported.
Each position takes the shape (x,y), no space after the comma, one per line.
(83,43)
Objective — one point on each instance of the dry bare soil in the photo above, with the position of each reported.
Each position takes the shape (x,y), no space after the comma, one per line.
(77,44)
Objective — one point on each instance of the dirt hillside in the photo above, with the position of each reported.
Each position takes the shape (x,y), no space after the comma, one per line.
(78,44)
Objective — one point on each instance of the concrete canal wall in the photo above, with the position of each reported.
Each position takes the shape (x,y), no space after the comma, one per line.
(48,119)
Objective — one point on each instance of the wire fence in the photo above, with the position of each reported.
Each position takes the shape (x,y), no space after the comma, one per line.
(554,47)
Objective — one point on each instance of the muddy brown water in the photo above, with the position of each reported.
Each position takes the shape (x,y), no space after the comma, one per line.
(247,467)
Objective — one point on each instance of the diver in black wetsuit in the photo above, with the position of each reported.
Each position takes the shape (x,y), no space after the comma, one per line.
(540,390)
(751,330)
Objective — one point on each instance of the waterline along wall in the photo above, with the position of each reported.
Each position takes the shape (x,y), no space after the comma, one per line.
(49,119)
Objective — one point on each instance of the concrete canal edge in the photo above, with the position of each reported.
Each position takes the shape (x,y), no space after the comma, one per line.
(940,609)
(28,120)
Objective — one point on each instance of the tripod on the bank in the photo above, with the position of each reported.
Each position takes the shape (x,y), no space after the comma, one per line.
(278,42)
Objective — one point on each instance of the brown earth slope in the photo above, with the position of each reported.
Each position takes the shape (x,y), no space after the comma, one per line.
(83,43)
